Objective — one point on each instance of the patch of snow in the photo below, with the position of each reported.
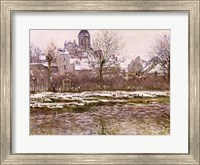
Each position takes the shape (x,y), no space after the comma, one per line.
(38,100)
(42,57)
(82,66)
(157,69)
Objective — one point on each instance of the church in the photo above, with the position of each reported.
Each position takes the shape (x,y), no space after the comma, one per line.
(76,57)
(84,40)
(72,58)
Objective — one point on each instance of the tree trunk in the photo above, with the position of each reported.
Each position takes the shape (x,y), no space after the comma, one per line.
(101,74)
(49,76)
(168,76)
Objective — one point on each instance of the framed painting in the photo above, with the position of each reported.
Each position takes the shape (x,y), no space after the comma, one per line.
(100,82)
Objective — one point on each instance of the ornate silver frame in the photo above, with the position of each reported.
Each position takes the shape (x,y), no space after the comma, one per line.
(7,7)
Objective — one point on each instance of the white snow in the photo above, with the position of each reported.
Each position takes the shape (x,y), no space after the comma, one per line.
(157,69)
(82,64)
(38,100)
(42,57)
(101,93)
(72,60)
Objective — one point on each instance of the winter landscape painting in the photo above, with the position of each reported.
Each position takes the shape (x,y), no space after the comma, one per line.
(99,82)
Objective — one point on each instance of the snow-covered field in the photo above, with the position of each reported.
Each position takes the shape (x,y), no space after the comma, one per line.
(100,113)
(50,99)
(103,93)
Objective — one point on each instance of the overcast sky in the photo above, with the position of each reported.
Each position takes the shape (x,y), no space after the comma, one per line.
(138,42)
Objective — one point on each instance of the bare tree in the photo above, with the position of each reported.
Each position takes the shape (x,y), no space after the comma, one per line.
(161,49)
(107,44)
(34,53)
(50,54)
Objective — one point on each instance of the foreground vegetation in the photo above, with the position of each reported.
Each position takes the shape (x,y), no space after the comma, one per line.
(107,116)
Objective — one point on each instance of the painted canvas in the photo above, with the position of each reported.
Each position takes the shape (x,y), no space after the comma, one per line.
(99,82)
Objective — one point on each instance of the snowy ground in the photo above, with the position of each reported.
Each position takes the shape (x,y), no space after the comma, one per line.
(58,100)
(103,113)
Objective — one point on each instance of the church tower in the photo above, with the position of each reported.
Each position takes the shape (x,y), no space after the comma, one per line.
(84,39)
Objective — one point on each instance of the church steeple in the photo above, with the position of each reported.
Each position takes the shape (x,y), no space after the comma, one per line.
(84,39)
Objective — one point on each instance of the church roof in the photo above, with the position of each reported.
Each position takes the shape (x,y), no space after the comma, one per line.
(84,33)
(70,44)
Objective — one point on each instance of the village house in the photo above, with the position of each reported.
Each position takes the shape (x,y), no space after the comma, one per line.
(76,57)
(72,58)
